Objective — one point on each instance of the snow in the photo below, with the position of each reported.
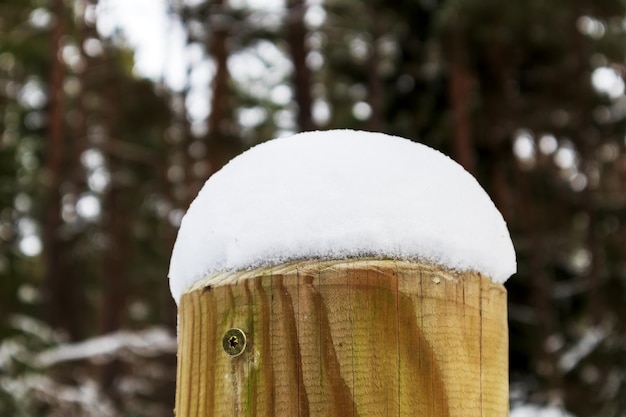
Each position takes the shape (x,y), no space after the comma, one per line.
(148,342)
(340,194)
(529,410)
(585,346)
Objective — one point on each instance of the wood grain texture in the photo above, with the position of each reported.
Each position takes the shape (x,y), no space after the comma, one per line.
(346,338)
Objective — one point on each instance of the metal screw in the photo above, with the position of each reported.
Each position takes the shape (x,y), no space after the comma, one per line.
(234,342)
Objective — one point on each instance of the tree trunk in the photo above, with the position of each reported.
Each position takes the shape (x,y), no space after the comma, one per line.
(376,91)
(60,290)
(117,224)
(460,87)
(114,282)
(295,35)
(219,118)
(531,214)
(583,127)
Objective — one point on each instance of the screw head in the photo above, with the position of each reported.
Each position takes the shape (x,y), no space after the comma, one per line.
(234,342)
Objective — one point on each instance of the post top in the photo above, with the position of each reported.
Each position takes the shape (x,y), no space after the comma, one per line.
(340,194)
(311,267)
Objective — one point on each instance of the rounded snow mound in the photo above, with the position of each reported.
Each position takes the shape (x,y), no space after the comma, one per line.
(340,194)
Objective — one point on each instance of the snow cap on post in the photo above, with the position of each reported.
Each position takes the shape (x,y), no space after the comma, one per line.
(340,194)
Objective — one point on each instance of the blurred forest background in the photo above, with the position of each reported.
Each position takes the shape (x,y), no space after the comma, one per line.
(97,166)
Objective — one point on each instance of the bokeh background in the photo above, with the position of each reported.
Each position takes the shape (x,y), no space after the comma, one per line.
(101,153)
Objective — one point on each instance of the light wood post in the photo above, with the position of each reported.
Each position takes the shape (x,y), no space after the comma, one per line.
(344,338)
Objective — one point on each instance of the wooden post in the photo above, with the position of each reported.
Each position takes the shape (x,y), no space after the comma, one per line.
(362,338)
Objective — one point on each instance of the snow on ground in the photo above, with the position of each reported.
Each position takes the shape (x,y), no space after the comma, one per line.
(340,194)
(528,410)
(591,339)
(147,342)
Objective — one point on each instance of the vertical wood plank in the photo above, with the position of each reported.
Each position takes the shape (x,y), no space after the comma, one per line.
(352,338)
